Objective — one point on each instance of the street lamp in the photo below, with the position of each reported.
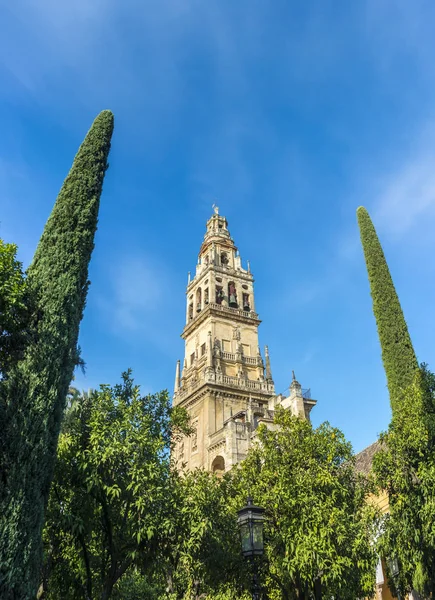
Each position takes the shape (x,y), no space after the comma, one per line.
(250,521)
(393,566)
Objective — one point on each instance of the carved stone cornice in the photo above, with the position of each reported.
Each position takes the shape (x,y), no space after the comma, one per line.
(217,310)
(227,391)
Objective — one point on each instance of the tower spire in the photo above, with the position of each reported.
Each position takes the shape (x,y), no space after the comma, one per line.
(268,369)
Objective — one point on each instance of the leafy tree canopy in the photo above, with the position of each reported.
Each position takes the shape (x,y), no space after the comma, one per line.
(109,499)
(121,524)
(405,468)
(201,556)
(318,525)
(14,307)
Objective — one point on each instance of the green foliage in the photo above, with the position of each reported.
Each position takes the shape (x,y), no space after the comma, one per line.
(121,524)
(405,468)
(398,355)
(318,523)
(33,398)
(15,307)
(15,315)
(201,554)
(108,507)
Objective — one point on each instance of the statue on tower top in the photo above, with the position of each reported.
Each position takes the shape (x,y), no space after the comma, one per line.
(216,209)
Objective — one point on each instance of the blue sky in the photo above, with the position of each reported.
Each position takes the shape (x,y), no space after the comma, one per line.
(290,115)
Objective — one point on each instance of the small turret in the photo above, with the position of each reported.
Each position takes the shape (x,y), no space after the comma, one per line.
(260,365)
(295,387)
(299,401)
(268,369)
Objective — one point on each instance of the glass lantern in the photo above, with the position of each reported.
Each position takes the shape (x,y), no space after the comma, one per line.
(250,520)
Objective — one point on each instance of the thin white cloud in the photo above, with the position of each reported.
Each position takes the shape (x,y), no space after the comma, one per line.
(408,195)
(137,304)
(134,294)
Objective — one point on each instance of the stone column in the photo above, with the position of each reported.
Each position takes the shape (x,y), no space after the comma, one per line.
(251,299)
(209,351)
(187,308)
(239,294)
(177,378)
(212,288)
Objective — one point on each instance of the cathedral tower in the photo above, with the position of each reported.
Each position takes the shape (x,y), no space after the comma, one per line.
(224,383)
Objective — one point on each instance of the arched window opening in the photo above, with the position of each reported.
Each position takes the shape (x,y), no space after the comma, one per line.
(218,466)
(191,311)
(232,295)
(206,298)
(224,259)
(246,305)
(219,294)
(198,299)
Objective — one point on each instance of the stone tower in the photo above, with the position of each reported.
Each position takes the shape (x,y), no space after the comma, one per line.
(224,383)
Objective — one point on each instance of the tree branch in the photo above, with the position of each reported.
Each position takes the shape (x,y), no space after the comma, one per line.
(87,566)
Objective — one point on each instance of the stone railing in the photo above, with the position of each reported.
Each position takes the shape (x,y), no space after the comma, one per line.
(233,311)
(239,382)
(249,360)
(186,390)
(225,310)
(265,387)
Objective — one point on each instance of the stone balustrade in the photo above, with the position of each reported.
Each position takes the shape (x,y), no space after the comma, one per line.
(266,387)
(255,361)
(233,311)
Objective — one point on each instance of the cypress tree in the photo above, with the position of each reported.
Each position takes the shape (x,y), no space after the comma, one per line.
(34,393)
(400,362)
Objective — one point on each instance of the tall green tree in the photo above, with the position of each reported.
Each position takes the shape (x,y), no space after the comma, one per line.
(405,468)
(111,493)
(400,362)
(33,398)
(15,308)
(319,527)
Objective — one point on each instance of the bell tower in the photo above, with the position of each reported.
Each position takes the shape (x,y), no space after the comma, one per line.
(224,383)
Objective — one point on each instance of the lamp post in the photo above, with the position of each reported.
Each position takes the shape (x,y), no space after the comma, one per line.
(393,566)
(250,521)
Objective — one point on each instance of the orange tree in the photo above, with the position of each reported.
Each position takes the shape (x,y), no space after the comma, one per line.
(319,527)
(110,495)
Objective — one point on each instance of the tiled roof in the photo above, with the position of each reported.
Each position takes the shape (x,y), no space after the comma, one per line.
(364,459)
